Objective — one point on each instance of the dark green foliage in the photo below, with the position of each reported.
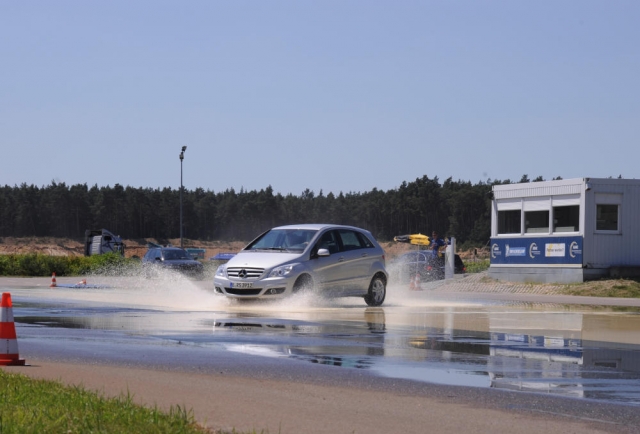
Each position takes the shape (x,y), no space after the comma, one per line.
(478,266)
(35,264)
(455,208)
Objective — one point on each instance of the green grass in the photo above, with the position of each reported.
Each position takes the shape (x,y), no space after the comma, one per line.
(477,266)
(29,405)
(618,288)
(39,265)
(42,406)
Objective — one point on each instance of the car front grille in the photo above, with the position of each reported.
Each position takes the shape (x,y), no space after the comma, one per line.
(251,273)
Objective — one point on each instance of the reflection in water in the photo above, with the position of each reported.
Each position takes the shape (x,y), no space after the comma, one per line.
(360,342)
(538,352)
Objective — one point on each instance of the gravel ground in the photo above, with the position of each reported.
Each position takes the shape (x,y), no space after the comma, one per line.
(481,282)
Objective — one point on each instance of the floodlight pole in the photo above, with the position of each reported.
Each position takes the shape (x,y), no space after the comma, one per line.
(184,148)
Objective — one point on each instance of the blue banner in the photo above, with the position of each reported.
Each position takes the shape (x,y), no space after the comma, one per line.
(536,250)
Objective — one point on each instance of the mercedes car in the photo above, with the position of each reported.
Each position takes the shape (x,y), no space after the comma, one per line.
(328,260)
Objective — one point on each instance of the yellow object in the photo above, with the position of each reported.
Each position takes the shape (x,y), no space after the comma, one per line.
(417,239)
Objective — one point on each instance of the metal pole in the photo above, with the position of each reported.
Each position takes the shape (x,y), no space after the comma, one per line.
(184,148)
(450,259)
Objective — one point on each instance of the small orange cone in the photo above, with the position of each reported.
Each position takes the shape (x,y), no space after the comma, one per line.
(8,340)
(53,281)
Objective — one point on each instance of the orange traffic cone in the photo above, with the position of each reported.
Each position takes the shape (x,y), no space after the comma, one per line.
(53,281)
(8,340)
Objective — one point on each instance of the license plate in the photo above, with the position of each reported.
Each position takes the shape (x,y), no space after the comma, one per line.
(242,285)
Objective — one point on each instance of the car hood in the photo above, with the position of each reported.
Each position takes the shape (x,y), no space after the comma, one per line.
(262,259)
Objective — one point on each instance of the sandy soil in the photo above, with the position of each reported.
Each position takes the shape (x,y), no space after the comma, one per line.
(70,247)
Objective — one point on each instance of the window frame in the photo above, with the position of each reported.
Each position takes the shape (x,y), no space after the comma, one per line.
(618,215)
(536,230)
(512,212)
(554,220)
(509,222)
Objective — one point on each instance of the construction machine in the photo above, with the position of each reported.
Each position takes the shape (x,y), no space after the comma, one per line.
(101,241)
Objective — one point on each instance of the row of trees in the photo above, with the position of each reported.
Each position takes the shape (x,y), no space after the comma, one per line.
(454,208)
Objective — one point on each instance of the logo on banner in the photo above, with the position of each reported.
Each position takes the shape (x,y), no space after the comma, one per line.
(574,250)
(495,251)
(514,251)
(554,250)
(533,250)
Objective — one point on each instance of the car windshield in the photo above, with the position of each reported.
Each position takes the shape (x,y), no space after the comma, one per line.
(284,240)
(175,254)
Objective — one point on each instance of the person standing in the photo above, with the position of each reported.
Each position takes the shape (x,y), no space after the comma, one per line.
(436,243)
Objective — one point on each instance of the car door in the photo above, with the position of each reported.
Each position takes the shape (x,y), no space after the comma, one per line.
(329,271)
(356,260)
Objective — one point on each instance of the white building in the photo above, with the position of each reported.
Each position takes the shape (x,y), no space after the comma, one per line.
(565,231)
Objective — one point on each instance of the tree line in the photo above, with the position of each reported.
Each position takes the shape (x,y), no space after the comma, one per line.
(453,208)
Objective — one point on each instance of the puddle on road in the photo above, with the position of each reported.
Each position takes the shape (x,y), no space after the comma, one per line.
(560,363)
(576,351)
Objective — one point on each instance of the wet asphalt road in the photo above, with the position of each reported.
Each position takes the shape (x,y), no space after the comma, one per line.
(552,357)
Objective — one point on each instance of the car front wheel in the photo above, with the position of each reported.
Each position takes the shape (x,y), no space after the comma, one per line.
(377,291)
(303,284)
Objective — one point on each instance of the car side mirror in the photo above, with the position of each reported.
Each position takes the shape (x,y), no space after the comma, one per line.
(324,252)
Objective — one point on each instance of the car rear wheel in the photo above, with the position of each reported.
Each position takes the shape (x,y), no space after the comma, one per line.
(377,291)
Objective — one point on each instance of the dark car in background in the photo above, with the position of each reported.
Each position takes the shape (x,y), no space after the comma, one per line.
(171,258)
(422,262)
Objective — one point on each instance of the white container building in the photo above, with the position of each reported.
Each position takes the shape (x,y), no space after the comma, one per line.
(565,231)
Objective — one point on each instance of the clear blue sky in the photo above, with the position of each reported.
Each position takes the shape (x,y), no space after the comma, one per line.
(326,95)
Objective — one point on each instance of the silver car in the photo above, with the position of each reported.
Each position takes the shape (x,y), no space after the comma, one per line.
(331,260)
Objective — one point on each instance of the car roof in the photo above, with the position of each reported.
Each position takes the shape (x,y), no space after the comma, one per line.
(318,227)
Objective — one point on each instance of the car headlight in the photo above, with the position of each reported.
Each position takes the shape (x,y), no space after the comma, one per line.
(221,271)
(282,271)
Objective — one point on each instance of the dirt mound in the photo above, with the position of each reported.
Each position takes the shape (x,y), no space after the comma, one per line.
(43,245)
(69,247)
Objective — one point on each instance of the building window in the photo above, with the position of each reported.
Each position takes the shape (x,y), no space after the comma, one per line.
(566,218)
(536,222)
(607,217)
(509,222)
